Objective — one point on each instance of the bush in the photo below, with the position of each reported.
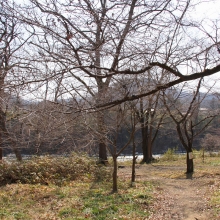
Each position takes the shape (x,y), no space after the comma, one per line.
(46,170)
(169,155)
(102,173)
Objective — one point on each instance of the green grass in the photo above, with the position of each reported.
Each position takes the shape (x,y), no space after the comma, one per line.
(77,200)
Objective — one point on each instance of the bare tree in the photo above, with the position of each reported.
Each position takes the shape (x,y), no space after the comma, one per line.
(124,122)
(151,117)
(11,42)
(92,43)
(187,120)
(88,46)
(210,142)
(81,44)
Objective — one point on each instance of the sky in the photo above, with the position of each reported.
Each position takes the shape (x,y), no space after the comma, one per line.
(206,9)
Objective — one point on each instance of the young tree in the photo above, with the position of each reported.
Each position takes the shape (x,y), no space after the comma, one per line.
(188,122)
(210,142)
(119,134)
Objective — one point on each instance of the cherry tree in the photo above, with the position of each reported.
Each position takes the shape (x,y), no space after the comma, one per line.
(89,44)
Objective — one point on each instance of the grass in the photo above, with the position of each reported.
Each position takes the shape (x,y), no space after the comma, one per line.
(85,192)
(215,201)
(76,200)
(73,188)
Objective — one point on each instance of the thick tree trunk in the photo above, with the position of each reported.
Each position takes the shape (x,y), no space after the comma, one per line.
(102,144)
(147,153)
(146,146)
(115,173)
(102,153)
(146,135)
(17,154)
(189,162)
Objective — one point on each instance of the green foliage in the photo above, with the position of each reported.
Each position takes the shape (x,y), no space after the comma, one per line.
(47,170)
(170,155)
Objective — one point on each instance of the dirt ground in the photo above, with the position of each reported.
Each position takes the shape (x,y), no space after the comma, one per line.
(178,196)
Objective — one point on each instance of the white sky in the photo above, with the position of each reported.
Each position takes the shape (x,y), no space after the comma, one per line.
(207,9)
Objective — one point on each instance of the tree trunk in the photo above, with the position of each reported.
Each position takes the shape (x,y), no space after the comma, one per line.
(144,131)
(2,124)
(149,149)
(102,146)
(144,145)
(115,171)
(146,135)
(102,153)
(1,153)
(4,132)
(17,154)
(189,162)
(1,148)
(133,164)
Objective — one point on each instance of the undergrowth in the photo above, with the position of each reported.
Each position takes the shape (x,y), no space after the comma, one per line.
(86,196)
(47,170)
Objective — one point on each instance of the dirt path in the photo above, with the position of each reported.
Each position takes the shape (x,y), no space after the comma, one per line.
(177,196)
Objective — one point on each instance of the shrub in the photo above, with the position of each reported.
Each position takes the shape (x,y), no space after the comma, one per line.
(46,170)
(102,173)
(169,155)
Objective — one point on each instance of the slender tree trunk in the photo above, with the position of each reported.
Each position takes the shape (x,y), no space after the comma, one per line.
(149,146)
(1,153)
(2,123)
(133,164)
(189,161)
(144,131)
(115,172)
(144,144)
(188,148)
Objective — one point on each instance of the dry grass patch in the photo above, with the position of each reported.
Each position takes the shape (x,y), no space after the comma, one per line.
(76,188)
(77,200)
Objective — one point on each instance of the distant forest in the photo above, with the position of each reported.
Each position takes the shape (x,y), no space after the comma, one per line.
(39,128)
